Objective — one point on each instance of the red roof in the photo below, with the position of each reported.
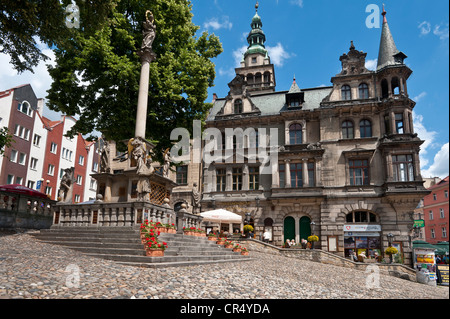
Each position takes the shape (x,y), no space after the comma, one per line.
(440,184)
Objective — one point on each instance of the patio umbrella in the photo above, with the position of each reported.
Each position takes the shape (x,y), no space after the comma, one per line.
(442,248)
(221,216)
(22,190)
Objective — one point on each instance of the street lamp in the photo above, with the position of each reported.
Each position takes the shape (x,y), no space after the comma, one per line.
(213,200)
(390,238)
(313,226)
(416,231)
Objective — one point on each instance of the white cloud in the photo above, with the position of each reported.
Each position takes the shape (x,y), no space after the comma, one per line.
(371,64)
(229,73)
(419,97)
(298,3)
(439,167)
(278,54)
(425,28)
(441,33)
(237,54)
(423,133)
(214,23)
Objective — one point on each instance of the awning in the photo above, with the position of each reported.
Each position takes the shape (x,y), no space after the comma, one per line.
(221,216)
(19,189)
(442,248)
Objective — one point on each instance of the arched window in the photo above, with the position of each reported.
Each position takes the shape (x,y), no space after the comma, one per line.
(365,128)
(258,78)
(363,91)
(346,92)
(238,106)
(295,134)
(250,78)
(395,84)
(347,129)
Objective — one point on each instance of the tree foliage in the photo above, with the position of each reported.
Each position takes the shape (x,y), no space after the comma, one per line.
(24,22)
(97,74)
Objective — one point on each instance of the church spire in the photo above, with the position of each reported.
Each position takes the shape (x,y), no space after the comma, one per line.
(256,38)
(388,53)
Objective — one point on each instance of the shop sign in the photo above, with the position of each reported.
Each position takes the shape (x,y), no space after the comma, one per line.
(364,234)
(419,223)
(364,228)
(442,274)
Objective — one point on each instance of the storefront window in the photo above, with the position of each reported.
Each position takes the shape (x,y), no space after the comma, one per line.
(361,235)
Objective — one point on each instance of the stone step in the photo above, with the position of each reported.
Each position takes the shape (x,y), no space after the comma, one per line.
(182,263)
(123,245)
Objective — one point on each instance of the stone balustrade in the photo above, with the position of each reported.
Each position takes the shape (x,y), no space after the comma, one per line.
(125,214)
(24,211)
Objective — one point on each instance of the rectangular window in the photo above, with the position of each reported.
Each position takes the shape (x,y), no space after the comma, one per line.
(19,180)
(53,148)
(13,157)
(444,232)
(30,184)
(433,233)
(93,184)
(253,182)
(296,175)
(446,193)
(282,171)
(403,168)
(77,198)
(221,180)
(434,196)
(182,174)
(359,172)
(237,179)
(399,123)
(95,167)
(311,174)
(51,169)
(81,160)
(22,158)
(36,140)
(48,190)
(33,163)
(441,213)
(431,215)
(79,179)
(10,179)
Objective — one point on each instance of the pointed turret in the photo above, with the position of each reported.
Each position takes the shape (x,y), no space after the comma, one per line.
(388,53)
(256,38)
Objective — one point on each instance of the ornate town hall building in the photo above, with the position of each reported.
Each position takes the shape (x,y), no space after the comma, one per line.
(348,159)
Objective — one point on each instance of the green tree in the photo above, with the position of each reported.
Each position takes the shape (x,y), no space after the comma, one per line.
(23,22)
(97,75)
(5,140)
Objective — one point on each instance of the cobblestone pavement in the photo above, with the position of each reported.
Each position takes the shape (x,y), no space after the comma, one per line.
(33,270)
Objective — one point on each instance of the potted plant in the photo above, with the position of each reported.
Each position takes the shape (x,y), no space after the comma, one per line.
(171,229)
(237,248)
(244,251)
(212,236)
(247,230)
(312,239)
(221,240)
(391,251)
(228,244)
(153,248)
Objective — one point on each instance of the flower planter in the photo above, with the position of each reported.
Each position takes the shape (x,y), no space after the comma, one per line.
(244,253)
(212,238)
(171,231)
(229,246)
(161,229)
(237,250)
(154,252)
(220,241)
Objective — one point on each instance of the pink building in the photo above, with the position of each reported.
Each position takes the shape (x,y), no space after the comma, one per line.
(435,209)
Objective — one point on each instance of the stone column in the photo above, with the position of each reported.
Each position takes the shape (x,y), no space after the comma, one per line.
(305,172)
(287,173)
(141,115)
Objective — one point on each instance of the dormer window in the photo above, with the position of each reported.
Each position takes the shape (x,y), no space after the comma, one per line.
(238,106)
(294,102)
(346,93)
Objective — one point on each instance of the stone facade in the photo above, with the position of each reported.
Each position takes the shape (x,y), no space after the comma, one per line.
(347,155)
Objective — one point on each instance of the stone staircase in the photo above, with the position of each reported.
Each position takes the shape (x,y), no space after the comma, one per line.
(123,245)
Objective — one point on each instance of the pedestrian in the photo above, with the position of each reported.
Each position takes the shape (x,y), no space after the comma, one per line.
(266,236)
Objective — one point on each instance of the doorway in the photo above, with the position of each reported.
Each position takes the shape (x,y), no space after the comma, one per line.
(305,227)
(289,228)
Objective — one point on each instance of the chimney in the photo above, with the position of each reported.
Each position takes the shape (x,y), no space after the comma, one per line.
(214,97)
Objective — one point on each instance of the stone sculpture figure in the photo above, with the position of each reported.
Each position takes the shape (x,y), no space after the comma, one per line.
(104,158)
(149,32)
(143,189)
(166,164)
(195,198)
(66,187)
(139,155)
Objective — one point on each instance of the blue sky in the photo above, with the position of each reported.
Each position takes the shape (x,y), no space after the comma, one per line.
(307,37)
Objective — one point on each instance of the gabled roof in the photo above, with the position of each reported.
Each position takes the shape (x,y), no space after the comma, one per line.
(440,184)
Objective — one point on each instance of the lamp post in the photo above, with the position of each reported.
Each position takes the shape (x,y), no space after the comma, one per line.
(313,227)
(213,200)
(390,238)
